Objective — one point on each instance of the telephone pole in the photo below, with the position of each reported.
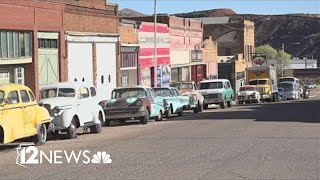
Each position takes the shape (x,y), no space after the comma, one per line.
(155,63)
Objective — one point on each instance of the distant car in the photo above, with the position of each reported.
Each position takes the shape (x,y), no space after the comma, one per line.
(72,105)
(189,88)
(175,103)
(21,116)
(133,102)
(306,93)
(248,94)
(310,85)
(217,91)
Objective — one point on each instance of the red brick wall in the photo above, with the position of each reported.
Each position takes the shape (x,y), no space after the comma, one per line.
(34,16)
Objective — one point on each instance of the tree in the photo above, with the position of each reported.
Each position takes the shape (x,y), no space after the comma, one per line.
(274,57)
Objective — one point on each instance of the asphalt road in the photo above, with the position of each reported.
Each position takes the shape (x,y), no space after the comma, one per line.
(264,141)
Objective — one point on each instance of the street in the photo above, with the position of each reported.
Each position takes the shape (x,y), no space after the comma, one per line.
(264,141)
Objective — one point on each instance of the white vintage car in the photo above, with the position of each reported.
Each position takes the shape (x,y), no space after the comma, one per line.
(72,105)
(248,94)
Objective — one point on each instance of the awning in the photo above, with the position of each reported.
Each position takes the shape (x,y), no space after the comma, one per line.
(188,64)
(129,48)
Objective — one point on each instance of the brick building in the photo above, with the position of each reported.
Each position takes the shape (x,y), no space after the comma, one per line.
(185,47)
(31,48)
(232,37)
(58,40)
(129,52)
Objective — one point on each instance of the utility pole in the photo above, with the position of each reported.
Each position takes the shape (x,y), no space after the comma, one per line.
(282,59)
(155,63)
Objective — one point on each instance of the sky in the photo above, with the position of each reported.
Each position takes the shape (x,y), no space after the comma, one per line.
(266,7)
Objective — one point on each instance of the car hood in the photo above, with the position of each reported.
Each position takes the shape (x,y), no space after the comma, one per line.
(121,102)
(186,92)
(210,91)
(58,101)
(246,93)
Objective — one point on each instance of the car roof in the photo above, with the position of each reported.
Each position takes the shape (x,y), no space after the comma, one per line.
(11,86)
(215,80)
(128,87)
(165,88)
(74,85)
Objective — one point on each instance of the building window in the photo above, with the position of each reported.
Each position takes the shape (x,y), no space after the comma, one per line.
(128,60)
(48,43)
(15,44)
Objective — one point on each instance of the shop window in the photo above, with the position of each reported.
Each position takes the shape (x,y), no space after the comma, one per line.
(129,60)
(15,44)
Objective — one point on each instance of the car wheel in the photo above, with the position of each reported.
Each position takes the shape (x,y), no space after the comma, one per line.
(71,131)
(205,106)
(196,109)
(145,118)
(159,117)
(41,136)
(229,104)
(223,105)
(180,113)
(168,113)
(122,121)
(98,127)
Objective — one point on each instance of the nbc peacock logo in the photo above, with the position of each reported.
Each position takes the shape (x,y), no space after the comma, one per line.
(101,157)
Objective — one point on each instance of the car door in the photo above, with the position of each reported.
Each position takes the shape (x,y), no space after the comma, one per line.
(84,106)
(28,109)
(13,115)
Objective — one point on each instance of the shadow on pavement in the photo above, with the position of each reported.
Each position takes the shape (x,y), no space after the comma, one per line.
(295,111)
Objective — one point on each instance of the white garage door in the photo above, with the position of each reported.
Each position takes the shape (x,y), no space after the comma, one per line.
(80,62)
(106,69)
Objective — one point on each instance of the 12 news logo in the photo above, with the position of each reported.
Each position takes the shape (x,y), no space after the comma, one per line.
(30,155)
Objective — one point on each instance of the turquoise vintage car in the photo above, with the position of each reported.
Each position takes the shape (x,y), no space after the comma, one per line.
(174,101)
(133,102)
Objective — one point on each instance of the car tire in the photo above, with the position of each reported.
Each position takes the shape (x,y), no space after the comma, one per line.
(71,130)
(41,136)
(145,118)
(205,106)
(229,104)
(159,117)
(223,105)
(168,113)
(98,127)
(180,113)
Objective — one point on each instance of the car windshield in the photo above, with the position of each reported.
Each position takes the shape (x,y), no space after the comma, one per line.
(182,86)
(286,86)
(162,92)
(1,96)
(286,80)
(128,93)
(63,92)
(257,82)
(247,89)
(211,85)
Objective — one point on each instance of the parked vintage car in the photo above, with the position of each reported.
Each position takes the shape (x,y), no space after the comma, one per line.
(217,91)
(133,102)
(189,88)
(248,94)
(72,105)
(21,116)
(175,103)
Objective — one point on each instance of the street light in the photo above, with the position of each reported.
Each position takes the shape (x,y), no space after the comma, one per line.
(282,57)
(155,63)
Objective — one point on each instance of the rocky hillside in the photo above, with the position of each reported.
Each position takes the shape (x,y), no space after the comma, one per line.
(300,33)
(129,13)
